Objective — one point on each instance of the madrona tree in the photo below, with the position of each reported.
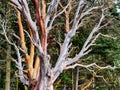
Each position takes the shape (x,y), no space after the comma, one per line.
(35,20)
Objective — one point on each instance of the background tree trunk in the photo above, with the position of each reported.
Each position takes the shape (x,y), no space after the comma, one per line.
(8,67)
(73,85)
(77,78)
(64,87)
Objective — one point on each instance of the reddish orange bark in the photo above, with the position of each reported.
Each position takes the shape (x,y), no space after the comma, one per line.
(29,59)
(40,21)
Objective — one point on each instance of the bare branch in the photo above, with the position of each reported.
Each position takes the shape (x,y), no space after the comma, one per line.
(69,36)
(91,65)
(87,43)
(88,11)
(87,51)
(16,3)
(26,12)
(52,8)
(108,36)
(102,78)
(92,42)
(16,36)
(4,27)
(31,39)
(57,14)
(20,68)
(76,17)
(64,51)
(19,62)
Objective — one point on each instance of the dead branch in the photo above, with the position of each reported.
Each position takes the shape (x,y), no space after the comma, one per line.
(91,65)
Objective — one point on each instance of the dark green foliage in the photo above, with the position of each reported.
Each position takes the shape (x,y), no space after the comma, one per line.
(113,11)
(104,45)
(65,78)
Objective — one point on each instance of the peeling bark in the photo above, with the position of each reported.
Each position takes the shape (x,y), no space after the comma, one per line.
(40,74)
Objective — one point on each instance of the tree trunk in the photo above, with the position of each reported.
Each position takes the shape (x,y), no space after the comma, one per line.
(73,85)
(45,84)
(77,78)
(64,87)
(45,78)
(16,83)
(8,67)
